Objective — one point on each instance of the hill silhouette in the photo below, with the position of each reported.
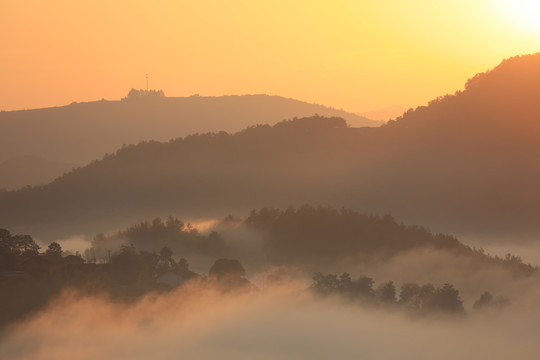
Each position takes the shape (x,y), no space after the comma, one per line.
(307,237)
(465,163)
(82,132)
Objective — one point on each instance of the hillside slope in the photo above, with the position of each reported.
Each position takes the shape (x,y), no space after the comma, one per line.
(82,132)
(468,162)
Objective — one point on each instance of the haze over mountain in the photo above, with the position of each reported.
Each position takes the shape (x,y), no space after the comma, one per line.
(386,113)
(82,132)
(466,163)
(259,226)
(312,239)
(30,171)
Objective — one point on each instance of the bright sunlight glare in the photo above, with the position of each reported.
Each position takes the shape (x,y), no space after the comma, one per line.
(523,13)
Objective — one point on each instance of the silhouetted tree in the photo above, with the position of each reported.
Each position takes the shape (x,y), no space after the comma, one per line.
(446,299)
(361,287)
(327,284)
(225,268)
(166,261)
(386,293)
(229,275)
(129,267)
(487,300)
(15,248)
(140,94)
(54,249)
(171,233)
(418,299)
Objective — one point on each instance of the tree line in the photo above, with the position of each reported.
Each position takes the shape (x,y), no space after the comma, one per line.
(314,237)
(325,235)
(414,298)
(29,278)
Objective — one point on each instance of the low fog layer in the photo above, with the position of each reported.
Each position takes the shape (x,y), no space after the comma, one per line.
(284,322)
(319,242)
(321,239)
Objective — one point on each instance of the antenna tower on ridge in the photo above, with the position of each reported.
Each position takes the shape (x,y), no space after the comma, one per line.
(146,82)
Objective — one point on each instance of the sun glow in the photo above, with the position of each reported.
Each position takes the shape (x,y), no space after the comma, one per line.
(372,51)
(523,13)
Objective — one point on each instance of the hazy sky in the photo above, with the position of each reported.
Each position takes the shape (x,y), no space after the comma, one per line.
(357,55)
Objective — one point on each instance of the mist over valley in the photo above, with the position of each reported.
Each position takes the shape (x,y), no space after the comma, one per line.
(260,226)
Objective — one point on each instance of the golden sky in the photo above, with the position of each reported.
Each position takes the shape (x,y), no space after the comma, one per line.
(357,55)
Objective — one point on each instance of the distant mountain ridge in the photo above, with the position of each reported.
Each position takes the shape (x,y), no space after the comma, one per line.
(468,162)
(82,132)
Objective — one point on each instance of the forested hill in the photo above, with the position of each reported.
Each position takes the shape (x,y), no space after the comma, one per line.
(199,175)
(312,238)
(468,162)
(501,104)
(82,132)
